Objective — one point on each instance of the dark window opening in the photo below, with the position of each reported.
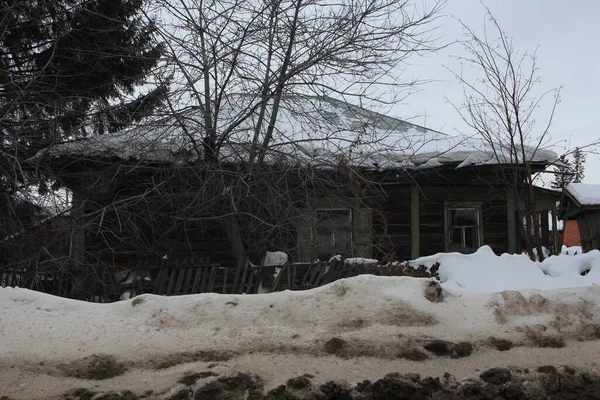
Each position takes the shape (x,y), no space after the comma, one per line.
(463,229)
(334,235)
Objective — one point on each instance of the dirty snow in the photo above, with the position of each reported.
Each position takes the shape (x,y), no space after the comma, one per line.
(282,335)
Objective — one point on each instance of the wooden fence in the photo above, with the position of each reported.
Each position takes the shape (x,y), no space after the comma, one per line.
(29,276)
(192,276)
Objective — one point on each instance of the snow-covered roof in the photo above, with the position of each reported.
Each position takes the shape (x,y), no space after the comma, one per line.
(317,130)
(584,193)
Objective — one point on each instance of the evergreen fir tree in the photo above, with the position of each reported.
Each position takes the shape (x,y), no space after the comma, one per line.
(579,165)
(564,173)
(63,65)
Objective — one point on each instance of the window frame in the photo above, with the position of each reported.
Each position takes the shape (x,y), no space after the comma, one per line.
(463,205)
(333,228)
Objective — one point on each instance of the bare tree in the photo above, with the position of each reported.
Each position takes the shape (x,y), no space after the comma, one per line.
(222,152)
(235,60)
(501,104)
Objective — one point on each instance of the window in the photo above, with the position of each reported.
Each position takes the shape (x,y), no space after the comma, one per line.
(463,229)
(333,233)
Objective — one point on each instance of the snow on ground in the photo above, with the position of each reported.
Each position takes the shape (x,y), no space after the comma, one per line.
(571,250)
(372,321)
(483,271)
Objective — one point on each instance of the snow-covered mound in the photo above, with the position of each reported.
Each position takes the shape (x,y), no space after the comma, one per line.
(353,329)
(571,250)
(484,271)
(369,308)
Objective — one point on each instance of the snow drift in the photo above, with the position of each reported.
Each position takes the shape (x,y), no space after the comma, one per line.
(353,329)
(484,271)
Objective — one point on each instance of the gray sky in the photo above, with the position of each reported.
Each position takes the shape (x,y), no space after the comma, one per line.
(566,35)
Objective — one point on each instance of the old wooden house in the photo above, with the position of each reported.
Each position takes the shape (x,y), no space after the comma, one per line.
(582,204)
(337,180)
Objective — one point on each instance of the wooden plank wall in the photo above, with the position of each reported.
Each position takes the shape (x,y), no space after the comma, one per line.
(431,211)
(396,214)
(494,212)
(589,229)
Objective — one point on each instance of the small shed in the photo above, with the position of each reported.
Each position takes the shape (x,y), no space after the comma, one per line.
(582,203)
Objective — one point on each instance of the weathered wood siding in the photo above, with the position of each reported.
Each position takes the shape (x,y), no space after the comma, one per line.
(431,210)
(589,229)
(494,214)
(392,225)
(432,199)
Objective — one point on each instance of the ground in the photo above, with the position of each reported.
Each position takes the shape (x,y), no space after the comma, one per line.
(323,343)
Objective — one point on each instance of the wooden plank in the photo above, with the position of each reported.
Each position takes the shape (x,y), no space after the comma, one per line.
(291,276)
(255,282)
(243,280)
(512,230)
(319,267)
(278,280)
(211,279)
(322,272)
(306,277)
(159,285)
(180,276)
(247,287)
(333,272)
(225,281)
(415,226)
(197,279)
(205,273)
(337,270)
(188,280)
(261,267)
(172,281)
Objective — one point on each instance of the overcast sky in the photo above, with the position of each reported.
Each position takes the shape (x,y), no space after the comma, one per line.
(566,35)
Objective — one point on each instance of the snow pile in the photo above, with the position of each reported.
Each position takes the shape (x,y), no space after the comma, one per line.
(571,250)
(584,193)
(149,324)
(581,268)
(370,309)
(278,336)
(275,259)
(360,261)
(484,271)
